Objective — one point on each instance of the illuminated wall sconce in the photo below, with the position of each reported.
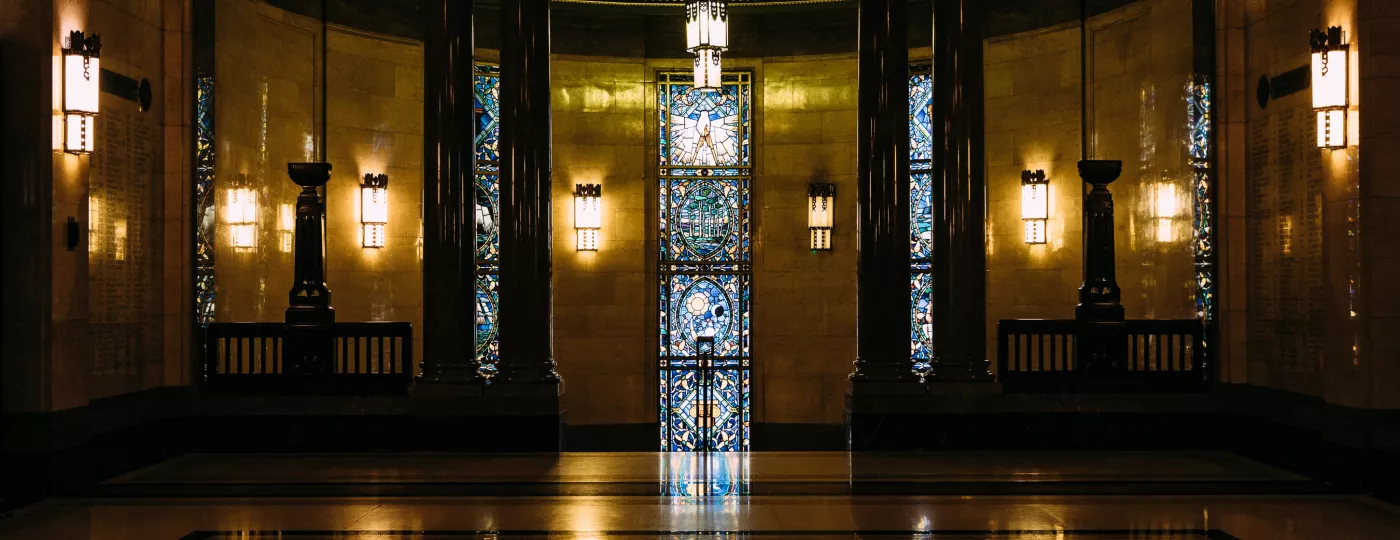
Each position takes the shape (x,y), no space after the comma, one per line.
(1035,204)
(1165,207)
(588,215)
(1330,86)
(286,225)
(81,69)
(821,211)
(241,213)
(374,210)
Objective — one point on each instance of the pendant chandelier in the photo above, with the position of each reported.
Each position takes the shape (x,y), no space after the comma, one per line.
(706,36)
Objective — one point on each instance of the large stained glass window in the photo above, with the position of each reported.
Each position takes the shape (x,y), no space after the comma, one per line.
(921,217)
(487,92)
(705,258)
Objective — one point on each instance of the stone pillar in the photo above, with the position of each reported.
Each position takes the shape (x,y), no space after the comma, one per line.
(1102,342)
(882,317)
(310,344)
(526,318)
(449,128)
(959,195)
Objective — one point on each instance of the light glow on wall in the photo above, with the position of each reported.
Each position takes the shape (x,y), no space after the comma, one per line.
(81,69)
(1166,205)
(286,225)
(821,199)
(1035,204)
(374,210)
(1330,86)
(706,36)
(241,213)
(588,215)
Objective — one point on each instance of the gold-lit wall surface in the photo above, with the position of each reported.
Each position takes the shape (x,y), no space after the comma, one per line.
(1139,66)
(605,302)
(268,70)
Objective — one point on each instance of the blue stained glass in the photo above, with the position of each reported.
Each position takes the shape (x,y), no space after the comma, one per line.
(921,217)
(487,102)
(689,398)
(705,219)
(704,257)
(1198,110)
(204,200)
(487,308)
(486,92)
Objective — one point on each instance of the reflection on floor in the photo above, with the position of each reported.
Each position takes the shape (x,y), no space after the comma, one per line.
(1044,495)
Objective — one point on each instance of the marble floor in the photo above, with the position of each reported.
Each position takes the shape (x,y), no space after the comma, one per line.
(1041,495)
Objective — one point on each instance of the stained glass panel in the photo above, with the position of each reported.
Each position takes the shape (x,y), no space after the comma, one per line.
(486,209)
(204,200)
(704,262)
(1198,106)
(921,217)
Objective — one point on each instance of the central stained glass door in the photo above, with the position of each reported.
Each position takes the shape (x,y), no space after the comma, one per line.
(705,261)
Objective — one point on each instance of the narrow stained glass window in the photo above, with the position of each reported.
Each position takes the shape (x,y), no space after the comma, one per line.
(921,217)
(487,93)
(705,257)
(204,200)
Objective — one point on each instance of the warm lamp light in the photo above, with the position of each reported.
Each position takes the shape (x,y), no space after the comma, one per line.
(286,225)
(241,213)
(1330,82)
(1035,204)
(588,215)
(821,211)
(1165,207)
(374,210)
(706,36)
(81,69)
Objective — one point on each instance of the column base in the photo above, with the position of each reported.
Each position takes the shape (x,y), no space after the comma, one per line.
(472,417)
(962,370)
(899,416)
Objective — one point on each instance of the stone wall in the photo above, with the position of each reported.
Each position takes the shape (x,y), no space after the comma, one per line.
(1139,65)
(267,111)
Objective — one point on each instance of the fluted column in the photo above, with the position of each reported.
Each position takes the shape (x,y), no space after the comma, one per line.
(526,317)
(449,128)
(960,195)
(882,316)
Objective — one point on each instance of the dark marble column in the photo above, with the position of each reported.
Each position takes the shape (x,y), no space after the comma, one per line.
(882,317)
(449,128)
(1099,296)
(310,345)
(960,195)
(526,316)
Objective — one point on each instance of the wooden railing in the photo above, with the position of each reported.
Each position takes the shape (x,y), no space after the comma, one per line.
(1042,355)
(249,357)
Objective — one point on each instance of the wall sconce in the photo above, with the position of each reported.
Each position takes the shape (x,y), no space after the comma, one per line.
(588,215)
(821,213)
(286,225)
(241,213)
(1330,86)
(1165,207)
(81,69)
(1035,204)
(374,210)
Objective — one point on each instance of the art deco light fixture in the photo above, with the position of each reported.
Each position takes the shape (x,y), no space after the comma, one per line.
(821,199)
(1330,86)
(374,210)
(81,70)
(706,36)
(588,215)
(1035,204)
(286,225)
(1165,207)
(241,213)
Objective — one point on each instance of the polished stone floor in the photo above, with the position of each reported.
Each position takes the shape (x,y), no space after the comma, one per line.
(1042,495)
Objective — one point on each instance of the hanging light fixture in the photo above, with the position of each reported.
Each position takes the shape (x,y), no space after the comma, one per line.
(706,36)
(588,215)
(241,213)
(1165,207)
(1329,86)
(1035,204)
(287,225)
(820,214)
(80,88)
(374,209)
